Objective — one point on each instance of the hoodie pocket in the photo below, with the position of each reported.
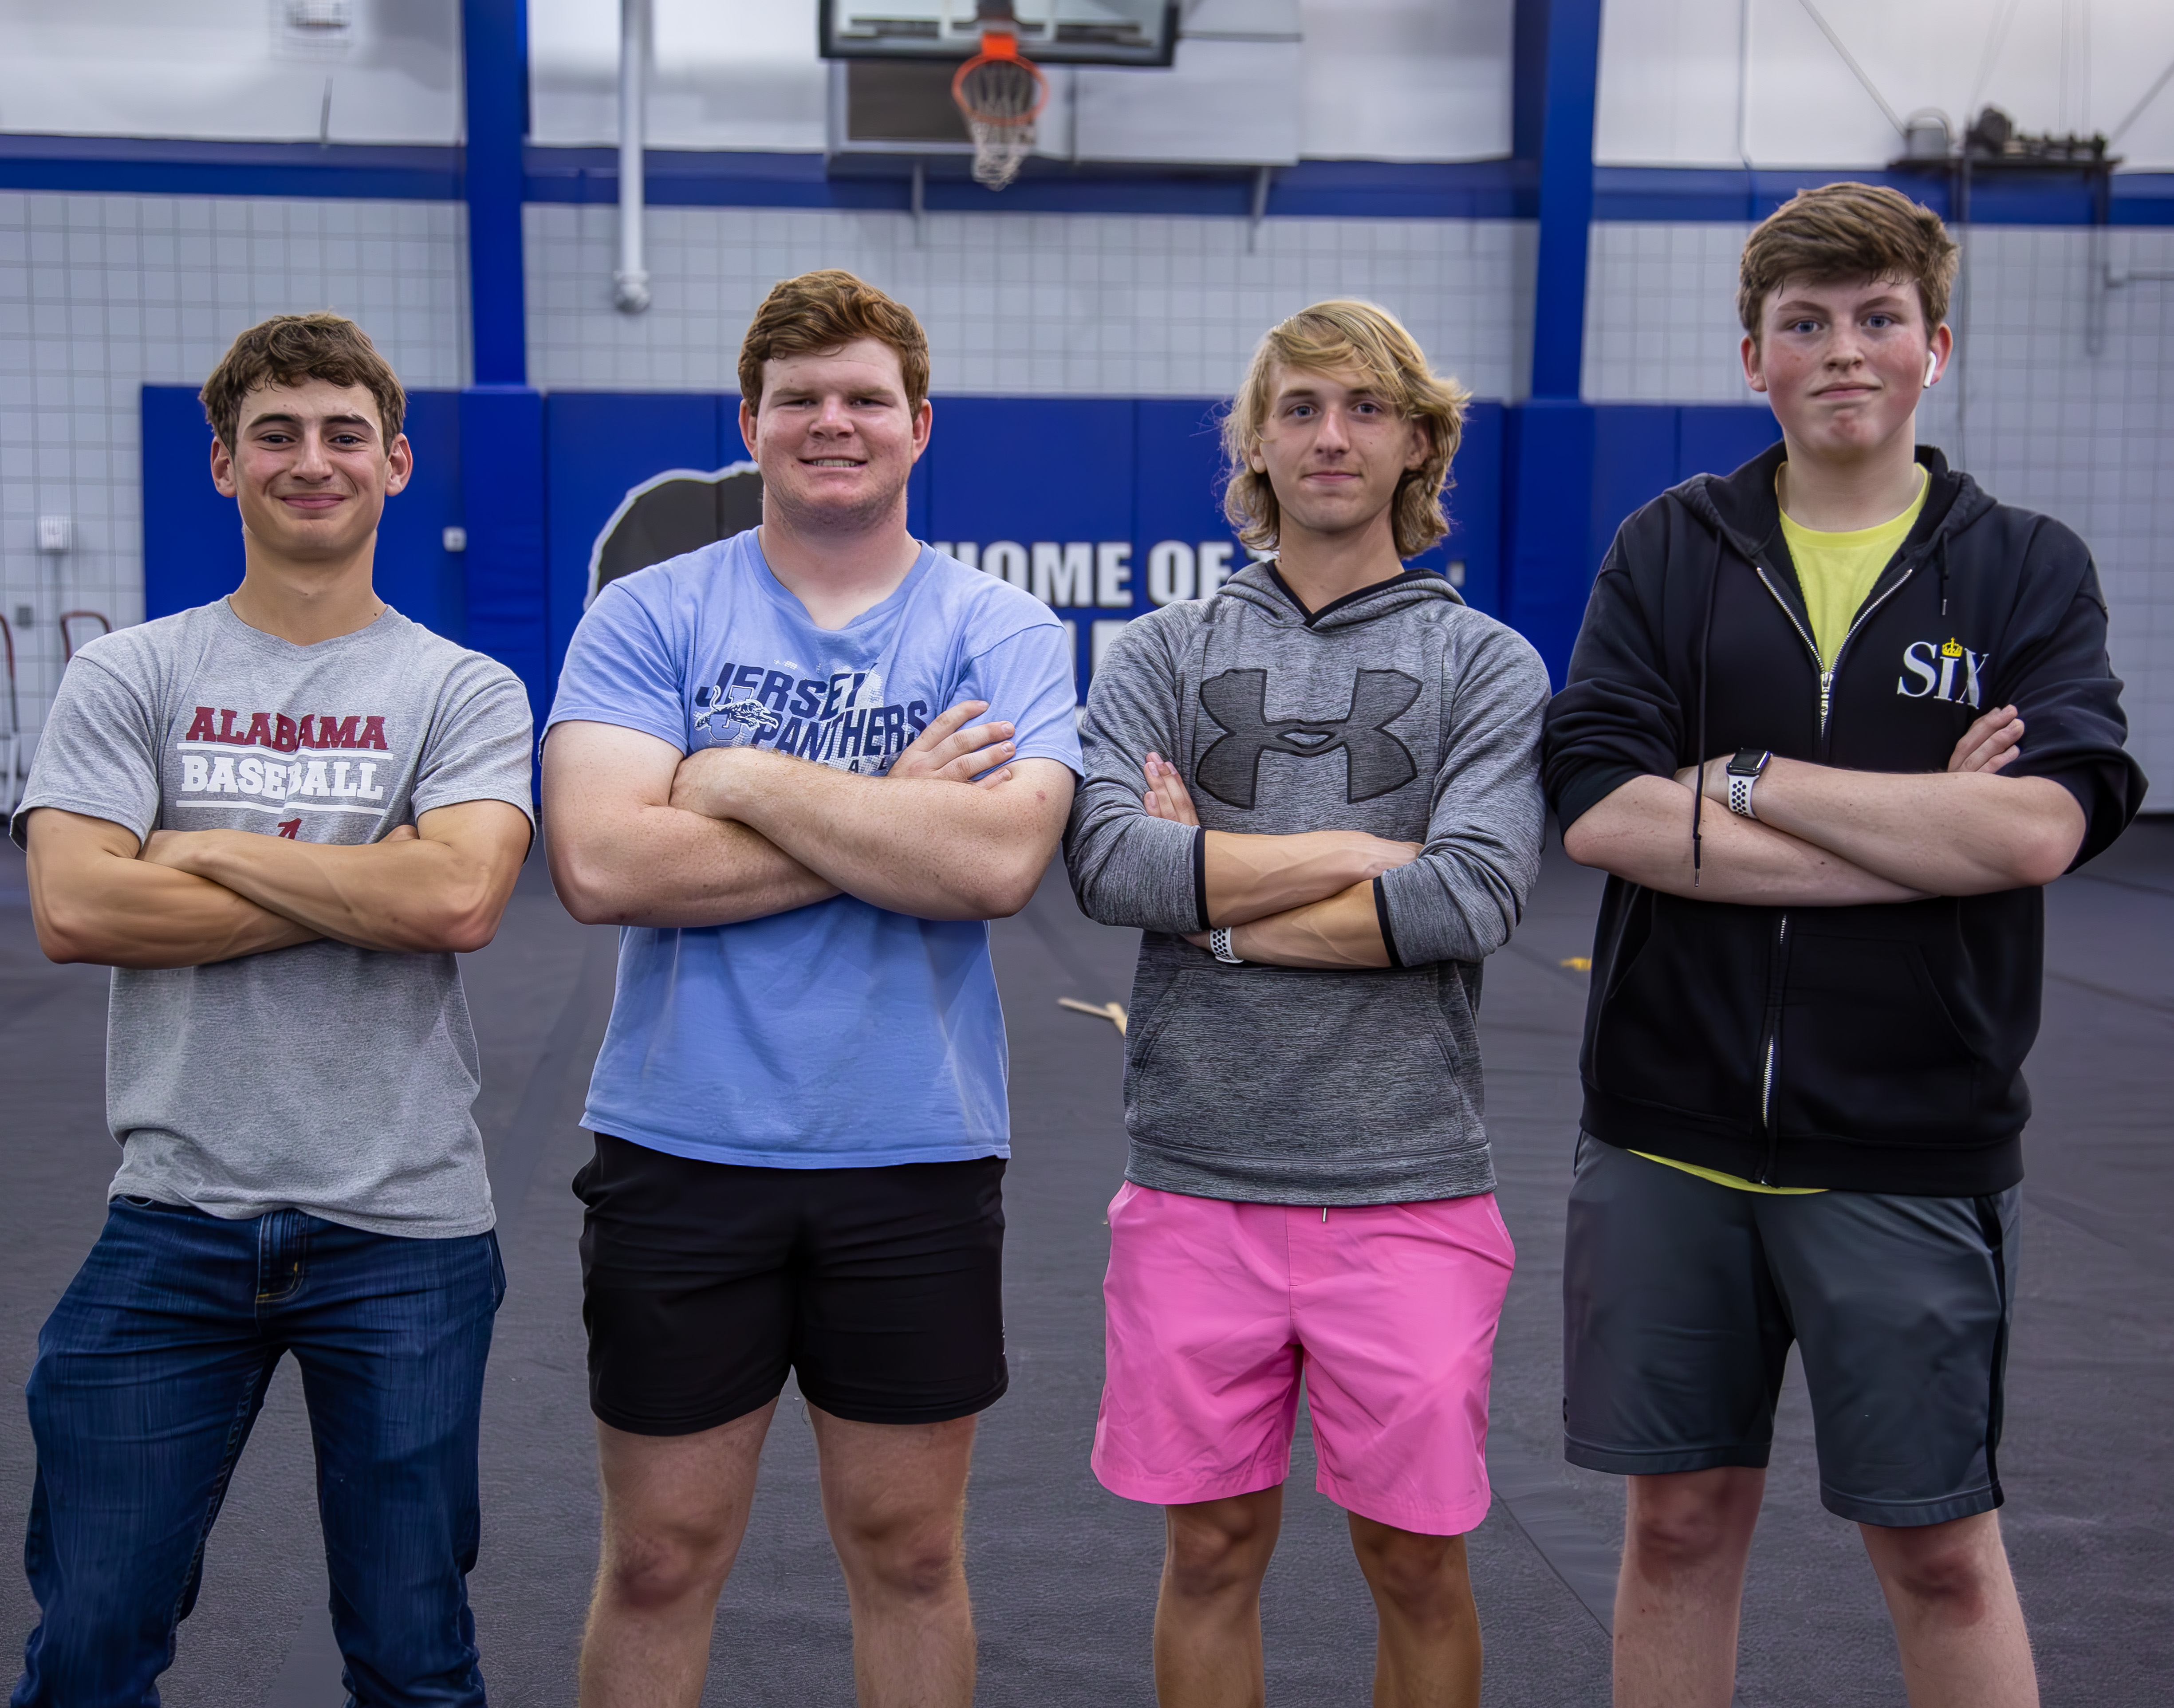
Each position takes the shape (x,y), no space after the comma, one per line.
(1240,1059)
(1868,1050)
(1678,1027)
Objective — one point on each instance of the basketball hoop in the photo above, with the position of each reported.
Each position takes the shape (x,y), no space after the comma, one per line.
(1001,93)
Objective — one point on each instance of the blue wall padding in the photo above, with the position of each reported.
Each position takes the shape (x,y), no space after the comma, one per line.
(1474,507)
(503,500)
(193,551)
(1551,456)
(1597,463)
(192,536)
(1027,469)
(545,473)
(597,446)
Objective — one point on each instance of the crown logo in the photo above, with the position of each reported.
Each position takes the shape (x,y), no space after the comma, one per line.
(1954,649)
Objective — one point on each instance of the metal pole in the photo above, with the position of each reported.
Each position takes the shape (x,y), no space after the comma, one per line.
(630,283)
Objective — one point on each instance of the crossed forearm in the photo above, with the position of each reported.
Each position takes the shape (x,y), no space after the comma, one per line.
(1251,877)
(669,869)
(411,897)
(122,912)
(931,848)
(1301,900)
(1642,832)
(1343,930)
(1946,833)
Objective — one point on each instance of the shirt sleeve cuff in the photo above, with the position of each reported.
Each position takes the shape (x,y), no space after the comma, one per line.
(1590,784)
(1381,915)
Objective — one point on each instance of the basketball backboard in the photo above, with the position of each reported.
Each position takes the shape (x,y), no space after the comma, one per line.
(1051,32)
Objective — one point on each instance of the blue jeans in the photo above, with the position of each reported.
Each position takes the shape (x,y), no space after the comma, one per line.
(150,1372)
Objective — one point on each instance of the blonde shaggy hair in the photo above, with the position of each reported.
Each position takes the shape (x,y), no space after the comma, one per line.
(1344,332)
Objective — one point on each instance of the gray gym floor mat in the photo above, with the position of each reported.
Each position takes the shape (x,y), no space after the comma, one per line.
(1064,1573)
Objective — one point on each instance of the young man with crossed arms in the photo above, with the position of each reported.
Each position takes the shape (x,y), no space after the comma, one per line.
(277,817)
(1831,723)
(759,764)
(1317,793)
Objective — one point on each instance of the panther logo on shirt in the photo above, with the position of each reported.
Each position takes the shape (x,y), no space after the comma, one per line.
(736,722)
(1376,762)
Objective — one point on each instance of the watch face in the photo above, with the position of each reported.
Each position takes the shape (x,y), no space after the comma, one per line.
(1748,762)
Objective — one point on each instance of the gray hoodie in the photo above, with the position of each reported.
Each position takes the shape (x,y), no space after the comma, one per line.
(1397,710)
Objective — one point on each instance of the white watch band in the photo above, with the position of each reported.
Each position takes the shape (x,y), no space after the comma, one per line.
(1218,943)
(1739,797)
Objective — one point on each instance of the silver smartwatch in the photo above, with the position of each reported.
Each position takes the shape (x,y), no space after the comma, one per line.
(1218,942)
(1746,769)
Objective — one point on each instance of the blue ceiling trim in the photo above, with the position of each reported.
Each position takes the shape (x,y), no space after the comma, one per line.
(1696,195)
(1325,189)
(159,166)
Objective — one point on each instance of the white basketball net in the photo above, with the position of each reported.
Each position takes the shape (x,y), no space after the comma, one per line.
(1000,99)
(999,151)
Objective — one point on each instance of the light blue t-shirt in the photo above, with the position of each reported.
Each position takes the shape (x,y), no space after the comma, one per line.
(839,1035)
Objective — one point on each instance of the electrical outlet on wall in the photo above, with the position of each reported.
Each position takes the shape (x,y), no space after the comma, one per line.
(25,615)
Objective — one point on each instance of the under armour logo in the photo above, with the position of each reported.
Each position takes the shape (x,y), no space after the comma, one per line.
(1376,762)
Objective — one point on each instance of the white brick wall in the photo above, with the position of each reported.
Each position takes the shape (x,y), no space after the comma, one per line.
(1021,304)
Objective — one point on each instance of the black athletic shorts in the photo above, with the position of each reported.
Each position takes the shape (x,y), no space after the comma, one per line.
(704,1283)
(1681,1297)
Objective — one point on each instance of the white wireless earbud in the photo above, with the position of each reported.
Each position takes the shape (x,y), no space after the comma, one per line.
(1932,369)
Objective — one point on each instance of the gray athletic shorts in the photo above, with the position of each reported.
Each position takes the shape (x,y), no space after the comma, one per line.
(1681,1297)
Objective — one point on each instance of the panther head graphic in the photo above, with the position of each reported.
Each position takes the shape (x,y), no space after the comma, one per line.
(736,722)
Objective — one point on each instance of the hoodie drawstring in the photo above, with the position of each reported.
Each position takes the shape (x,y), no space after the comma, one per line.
(1943,549)
(1705,659)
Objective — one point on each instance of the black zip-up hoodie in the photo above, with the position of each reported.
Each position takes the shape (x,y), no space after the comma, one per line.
(1871,1048)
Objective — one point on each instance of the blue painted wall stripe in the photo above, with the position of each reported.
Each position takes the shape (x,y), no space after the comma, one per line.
(1311,189)
(151,167)
(1688,195)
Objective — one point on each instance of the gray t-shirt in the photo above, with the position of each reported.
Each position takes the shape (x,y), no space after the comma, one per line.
(324,1077)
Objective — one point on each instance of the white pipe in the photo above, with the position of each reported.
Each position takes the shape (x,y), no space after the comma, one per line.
(630,283)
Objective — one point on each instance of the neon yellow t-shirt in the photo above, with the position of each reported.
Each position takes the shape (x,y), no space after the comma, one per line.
(1836,571)
(1720,1179)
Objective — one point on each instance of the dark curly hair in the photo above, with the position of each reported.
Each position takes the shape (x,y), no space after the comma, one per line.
(291,348)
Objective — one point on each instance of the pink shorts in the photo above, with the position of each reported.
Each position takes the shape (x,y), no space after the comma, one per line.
(1216,1310)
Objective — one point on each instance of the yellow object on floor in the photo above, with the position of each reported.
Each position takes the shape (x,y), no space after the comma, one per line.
(1114,1013)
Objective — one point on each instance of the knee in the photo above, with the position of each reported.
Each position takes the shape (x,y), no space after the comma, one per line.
(1207,1559)
(1948,1576)
(1421,1577)
(914,1562)
(651,1570)
(1680,1529)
